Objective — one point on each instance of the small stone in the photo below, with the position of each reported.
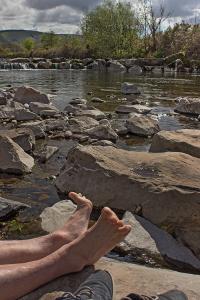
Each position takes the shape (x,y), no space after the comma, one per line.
(129,88)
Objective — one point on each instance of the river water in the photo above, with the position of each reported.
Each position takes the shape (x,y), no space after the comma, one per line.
(157,91)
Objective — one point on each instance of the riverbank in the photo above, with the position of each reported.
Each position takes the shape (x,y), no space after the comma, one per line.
(135,66)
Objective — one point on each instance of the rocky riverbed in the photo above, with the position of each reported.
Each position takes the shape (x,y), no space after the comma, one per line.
(48,152)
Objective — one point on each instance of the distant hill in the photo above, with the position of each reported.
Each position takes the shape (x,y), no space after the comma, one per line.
(16,36)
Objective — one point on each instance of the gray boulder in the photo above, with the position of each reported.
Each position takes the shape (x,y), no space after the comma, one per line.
(38,128)
(73,109)
(24,137)
(115,66)
(49,113)
(82,123)
(38,107)
(119,126)
(3,98)
(102,132)
(142,109)
(9,209)
(185,140)
(26,94)
(148,241)
(103,143)
(7,113)
(142,125)
(52,125)
(190,106)
(44,65)
(135,70)
(13,159)
(64,65)
(25,115)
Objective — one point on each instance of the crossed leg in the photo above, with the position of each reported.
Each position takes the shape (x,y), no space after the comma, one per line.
(12,252)
(19,279)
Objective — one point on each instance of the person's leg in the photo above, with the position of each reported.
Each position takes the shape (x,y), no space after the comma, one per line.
(13,252)
(19,279)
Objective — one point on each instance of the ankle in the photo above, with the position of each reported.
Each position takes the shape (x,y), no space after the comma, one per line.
(76,263)
(53,241)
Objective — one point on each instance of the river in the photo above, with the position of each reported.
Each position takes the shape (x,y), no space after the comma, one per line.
(157,91)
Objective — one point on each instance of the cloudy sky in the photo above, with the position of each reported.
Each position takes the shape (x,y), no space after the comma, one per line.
(63,16)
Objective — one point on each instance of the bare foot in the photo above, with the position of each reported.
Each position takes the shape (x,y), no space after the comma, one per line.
(78,222)
(96,242)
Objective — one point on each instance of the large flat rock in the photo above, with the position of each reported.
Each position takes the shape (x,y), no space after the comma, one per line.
(13,159)
(186,141)
(128,278)
(162,187)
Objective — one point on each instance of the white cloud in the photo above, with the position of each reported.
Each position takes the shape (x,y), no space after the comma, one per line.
(64,15)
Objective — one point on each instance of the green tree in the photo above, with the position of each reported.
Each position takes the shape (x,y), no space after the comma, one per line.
(111,30)
(29,44)
(49,40)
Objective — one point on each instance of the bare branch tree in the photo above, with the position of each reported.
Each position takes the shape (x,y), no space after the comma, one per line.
(153,21)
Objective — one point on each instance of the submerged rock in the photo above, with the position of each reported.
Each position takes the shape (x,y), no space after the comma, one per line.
(129,88)
(163,187)
(97,100)
(26,94)
(13,159)
(47,153)
(128,108)
(185,140)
